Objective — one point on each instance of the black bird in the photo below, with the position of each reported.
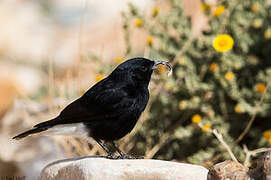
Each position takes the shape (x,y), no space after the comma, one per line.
(107,111)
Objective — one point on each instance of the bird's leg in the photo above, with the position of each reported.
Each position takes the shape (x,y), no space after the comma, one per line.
(110,154)
(116,147)
(123,155)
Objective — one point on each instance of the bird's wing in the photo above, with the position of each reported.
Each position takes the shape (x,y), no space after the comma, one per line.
(102,101)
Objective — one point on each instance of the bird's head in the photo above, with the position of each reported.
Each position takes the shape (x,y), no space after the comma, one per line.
(137,70)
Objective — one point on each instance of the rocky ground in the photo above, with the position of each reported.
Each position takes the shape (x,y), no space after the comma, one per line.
(88,168)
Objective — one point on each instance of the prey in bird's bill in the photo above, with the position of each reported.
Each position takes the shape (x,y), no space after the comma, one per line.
(108,110)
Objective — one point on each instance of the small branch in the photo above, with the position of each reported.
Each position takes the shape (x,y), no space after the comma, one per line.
(248,154)
(155,149)
(252,153)
(260,150)
(221,140)
(257,108)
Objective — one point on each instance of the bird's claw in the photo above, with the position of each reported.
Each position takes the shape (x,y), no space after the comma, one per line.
(123,156)
(127,156)
(112,156)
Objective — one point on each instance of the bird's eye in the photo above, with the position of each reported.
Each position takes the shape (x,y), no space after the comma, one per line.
(143,68)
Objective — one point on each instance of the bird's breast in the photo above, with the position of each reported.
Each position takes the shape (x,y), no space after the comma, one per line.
(113,128)
(132,114)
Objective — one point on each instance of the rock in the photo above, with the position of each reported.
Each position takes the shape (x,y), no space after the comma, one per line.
(228,170)
(236,171)
(263,169)
(95,167)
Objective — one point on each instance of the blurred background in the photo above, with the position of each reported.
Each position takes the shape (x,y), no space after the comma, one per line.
(52,51)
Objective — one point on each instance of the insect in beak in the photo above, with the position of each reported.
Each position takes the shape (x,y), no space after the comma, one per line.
(157,63)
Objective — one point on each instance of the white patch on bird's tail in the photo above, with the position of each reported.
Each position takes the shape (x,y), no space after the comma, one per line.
(75,129)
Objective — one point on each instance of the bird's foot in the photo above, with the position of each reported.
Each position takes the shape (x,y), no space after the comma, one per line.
(123,156)
(112,156)
(127,156)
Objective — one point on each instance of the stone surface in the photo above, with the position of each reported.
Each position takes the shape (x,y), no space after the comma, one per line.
(228,170)
(91,167)
(262,171)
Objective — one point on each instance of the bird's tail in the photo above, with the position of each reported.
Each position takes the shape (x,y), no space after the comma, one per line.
(36,129)
(29,132)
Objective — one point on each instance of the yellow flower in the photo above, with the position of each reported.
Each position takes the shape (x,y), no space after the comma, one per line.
(138,22)
(196,118)
(219,10)
(205,7)
(267,34)
(206,128)
(99,77)
(267,135)
(155,11)
(149,41)
(182,105)
(119,59)
(238,109)
(223,43)
(255,8)
(260,87)
(257,23)
(213,67)
(229,76)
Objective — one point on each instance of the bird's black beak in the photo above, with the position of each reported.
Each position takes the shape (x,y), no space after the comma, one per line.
(157,63)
